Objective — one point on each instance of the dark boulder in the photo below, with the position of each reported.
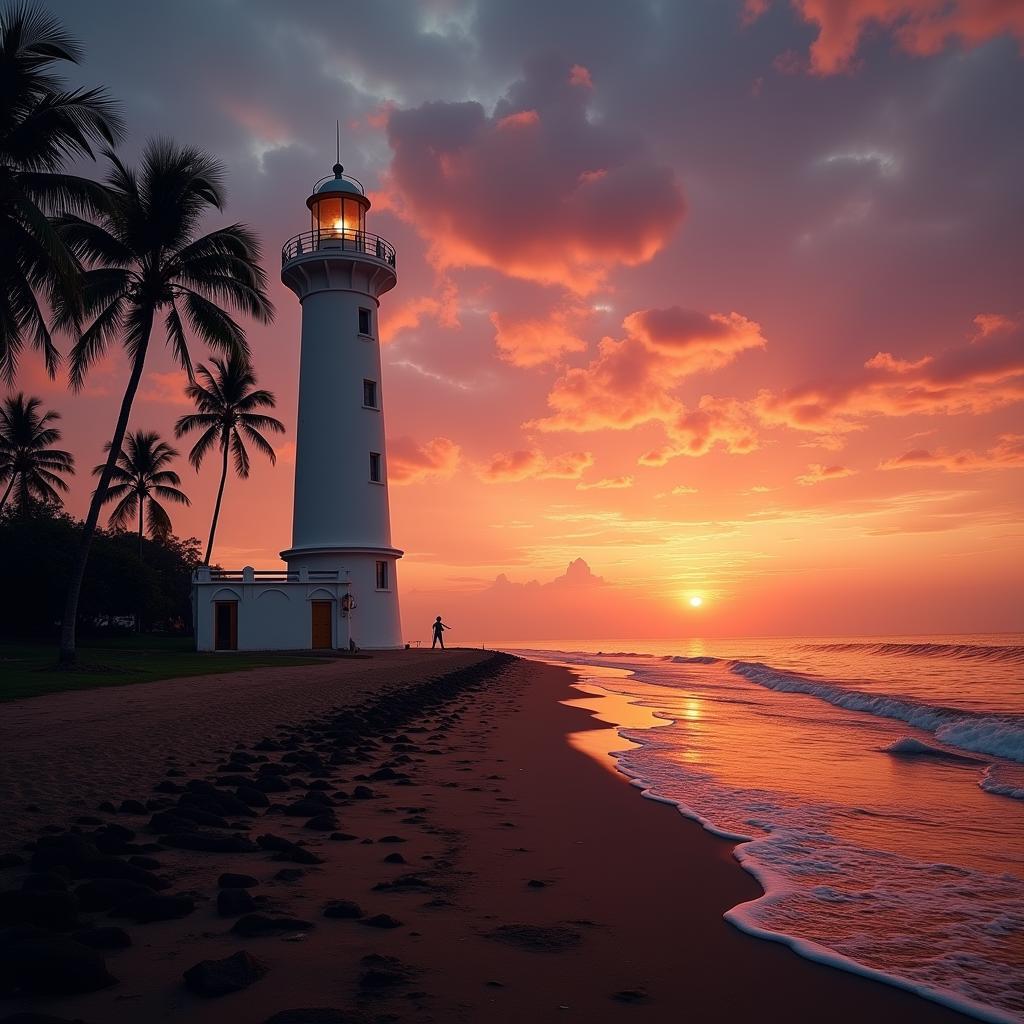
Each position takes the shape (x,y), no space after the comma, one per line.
(232,881)
(158,907)
(322,823)
(271,784)
(234,902)
(71,850)
(286,850)
(383,972)
(216,803)
(41,908)
(343,910)
(306,808)
(114,867)
(252,797)
(110,894)
(146,863)
(112,838)
(381,921)
(209,842)
(185,818)
(253,925)
(38,962)
(219,977)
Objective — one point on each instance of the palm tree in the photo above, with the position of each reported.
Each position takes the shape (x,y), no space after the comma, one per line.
(27,459)
(139,479)
(227,402)
(145,261)
(42,126)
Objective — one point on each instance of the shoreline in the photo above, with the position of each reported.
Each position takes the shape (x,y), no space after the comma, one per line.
(527,880)
(809,950)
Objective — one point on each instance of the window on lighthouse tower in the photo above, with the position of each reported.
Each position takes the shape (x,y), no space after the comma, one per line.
(370,394)
(365,322)
(375,476)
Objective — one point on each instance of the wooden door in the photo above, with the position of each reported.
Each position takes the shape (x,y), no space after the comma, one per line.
(225,625)
(322,618)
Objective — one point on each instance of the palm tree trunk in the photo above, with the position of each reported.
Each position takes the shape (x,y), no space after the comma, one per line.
(138,609)
(23,493)
(220,494)
(70,620)
(7,493)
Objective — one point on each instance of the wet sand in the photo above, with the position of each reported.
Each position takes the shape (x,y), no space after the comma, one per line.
(528,880)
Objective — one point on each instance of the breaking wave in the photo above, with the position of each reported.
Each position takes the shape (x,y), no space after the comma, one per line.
(979,732)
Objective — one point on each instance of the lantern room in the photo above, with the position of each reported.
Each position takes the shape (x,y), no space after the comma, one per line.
(338,208)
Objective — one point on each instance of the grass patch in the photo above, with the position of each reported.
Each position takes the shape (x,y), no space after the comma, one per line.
(30,670)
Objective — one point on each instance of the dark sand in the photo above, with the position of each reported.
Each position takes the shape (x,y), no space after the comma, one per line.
(626,925)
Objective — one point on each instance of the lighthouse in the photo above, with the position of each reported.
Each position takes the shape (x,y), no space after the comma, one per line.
(341,518)
(340,587)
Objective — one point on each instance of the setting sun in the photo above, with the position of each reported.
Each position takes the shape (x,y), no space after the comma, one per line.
(696,602)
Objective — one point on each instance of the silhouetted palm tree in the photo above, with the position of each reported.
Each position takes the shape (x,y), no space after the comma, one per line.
(28,462)
(42,126)
(146,261)
(227,401)
(139,479)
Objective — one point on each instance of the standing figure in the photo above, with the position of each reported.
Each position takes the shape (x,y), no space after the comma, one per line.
(439,628)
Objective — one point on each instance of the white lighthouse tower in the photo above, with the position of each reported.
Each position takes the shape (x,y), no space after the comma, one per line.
(339,587)
(341,518)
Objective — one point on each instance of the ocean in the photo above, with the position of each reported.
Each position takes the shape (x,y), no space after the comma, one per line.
(877,785)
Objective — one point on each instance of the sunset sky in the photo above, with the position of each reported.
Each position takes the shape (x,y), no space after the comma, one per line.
(724,300)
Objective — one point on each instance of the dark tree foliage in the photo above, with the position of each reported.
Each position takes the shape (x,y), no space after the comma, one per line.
(38,555)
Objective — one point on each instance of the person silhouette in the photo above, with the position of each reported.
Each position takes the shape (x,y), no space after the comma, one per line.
(439,628)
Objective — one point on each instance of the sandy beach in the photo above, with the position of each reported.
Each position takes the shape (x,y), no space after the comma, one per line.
(452,812)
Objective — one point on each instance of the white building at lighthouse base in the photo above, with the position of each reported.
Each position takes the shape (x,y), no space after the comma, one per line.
(296,609)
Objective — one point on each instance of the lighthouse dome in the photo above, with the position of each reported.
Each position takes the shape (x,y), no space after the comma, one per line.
(340,183)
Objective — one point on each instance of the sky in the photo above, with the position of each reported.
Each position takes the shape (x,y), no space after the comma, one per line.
(700,299)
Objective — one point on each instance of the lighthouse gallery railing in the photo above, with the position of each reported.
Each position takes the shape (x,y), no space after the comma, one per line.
(343,239)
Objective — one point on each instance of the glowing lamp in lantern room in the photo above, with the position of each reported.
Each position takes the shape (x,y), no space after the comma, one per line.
(338,210)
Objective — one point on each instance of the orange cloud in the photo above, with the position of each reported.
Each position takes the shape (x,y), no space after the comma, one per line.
(536,190)
(1007,453)
(611,483)
(579,75)
(887,361)
(993,323)
(442,307)
(632,381)
(411,463)
(816,473)
(984,374)
(920,27)
(510,467)
(532,341)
